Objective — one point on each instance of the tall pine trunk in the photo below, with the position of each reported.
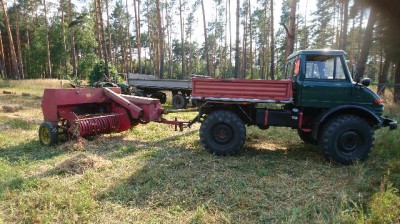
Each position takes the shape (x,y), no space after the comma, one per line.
(103,42)
(2,62)
(397,83)
(72,39)
(237,51)
(272,47)
(49,72)
(63,34)
(251,42)
(366,46)
(14,63)
(343,39)
(137,24)
(160,40)
(383,76)
(129,38)
(97,29)
(290,32)
(182,39)
(109,49)
(206,40)
(19,49)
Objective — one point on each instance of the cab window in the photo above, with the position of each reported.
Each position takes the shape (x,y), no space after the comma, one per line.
(292,68)
(324,67)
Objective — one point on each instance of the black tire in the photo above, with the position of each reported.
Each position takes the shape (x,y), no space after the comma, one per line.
(140,93)
(223,133)
(346,139)
(307,137)
(179,101)
(48,134)
(161,96)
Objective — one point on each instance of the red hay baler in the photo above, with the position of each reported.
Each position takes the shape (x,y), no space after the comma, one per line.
(83,112)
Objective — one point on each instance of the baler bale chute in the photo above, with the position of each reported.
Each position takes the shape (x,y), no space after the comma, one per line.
(80,112)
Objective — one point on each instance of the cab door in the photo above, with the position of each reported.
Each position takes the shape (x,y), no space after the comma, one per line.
(326,83)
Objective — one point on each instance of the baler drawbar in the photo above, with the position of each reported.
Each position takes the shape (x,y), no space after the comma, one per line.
(84,112)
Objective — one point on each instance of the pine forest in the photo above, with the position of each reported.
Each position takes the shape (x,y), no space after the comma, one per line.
(174,39)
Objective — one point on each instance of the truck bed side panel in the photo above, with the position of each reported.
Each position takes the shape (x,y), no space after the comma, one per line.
(242,89)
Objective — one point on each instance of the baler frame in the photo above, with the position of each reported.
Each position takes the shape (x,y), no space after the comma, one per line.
(80,112)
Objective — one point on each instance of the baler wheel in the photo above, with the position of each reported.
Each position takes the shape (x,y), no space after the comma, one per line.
(48,134)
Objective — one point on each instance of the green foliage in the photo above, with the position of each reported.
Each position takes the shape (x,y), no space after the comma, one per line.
(99,71)
(86,65)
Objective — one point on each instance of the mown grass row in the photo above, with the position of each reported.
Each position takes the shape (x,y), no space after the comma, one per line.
(153,174)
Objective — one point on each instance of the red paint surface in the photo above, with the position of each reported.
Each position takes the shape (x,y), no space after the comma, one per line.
(279,90)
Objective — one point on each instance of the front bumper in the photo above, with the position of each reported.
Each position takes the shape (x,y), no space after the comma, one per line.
(386,122)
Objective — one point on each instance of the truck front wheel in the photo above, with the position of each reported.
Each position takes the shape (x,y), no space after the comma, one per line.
(346,138)
(223,133)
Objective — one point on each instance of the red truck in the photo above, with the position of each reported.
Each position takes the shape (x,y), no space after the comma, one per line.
(319,99)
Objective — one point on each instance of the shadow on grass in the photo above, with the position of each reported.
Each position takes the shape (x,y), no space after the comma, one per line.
(28,152)
(243,187)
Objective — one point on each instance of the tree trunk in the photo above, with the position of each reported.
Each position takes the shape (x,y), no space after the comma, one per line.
(343,43)
(230,40)
(397,83)
(237,51)
(251,42)
(63,34)
(109,50)
(383,77)
(137,23)
(366,46)
(49,75)
(72,37)
(272,66)
(19,49)
(129,38)
(103,42)
(290,32)
(2,63)
(206,40)
(182,39)
(14,62)
(160,40)
(244,44)
(97,29)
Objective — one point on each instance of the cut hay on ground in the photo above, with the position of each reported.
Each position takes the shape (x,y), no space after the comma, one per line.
(81,163)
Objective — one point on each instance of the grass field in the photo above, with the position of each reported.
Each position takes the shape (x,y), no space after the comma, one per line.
(153,174)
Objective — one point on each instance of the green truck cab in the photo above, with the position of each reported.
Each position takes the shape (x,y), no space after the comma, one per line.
(319,98)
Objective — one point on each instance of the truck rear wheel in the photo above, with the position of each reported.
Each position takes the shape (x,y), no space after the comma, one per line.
(223,133)
(179,101)
(346,138)
(161,96)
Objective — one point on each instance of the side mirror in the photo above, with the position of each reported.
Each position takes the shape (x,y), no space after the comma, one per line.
(366,82)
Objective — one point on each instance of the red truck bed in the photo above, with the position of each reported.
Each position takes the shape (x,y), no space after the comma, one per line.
(242,90)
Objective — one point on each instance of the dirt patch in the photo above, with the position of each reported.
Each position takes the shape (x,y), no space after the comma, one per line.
(80,163)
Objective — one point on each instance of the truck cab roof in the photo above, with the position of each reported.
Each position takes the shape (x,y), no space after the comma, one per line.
(317,52)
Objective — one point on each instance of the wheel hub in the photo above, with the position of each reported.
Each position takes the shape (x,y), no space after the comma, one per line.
(222,134)
(349,141)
